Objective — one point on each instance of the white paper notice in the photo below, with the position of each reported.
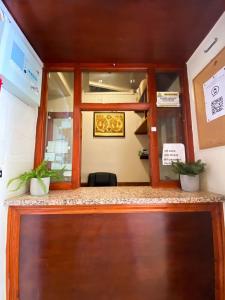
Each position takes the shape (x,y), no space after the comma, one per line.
(61,147)
(58,147)
(58,158)
(49,156)
(68,166)
(51,146)
(173,152)
(67,123)
(67,173)
(168,99)
(56,166)
(214,92)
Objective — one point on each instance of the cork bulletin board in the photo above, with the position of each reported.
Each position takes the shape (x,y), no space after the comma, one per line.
(211,134)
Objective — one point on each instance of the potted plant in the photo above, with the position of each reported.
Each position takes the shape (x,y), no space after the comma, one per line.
(39,179)
(189,174)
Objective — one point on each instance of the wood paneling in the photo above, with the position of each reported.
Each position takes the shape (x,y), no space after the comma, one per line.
(114,106)
(12,261)
(187,125)
(125,184)
(115,31)
(153,135)
(41,123)
(116,252)
(76,163)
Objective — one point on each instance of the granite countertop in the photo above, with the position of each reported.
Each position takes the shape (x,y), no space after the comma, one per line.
(115,195)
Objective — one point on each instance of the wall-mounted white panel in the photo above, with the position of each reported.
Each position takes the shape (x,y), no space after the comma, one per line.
(20,67)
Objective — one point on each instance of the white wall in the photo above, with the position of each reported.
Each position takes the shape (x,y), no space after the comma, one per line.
(214,178)
(17,141)
(63,104)
(116,155)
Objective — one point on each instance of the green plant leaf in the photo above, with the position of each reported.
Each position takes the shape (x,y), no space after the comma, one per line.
(189,168)
(41,171)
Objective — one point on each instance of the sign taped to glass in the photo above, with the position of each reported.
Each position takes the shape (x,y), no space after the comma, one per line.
(168,99)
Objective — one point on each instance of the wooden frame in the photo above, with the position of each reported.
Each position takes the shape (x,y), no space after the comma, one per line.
(210,134)
(109,131)
(13,233)
(150,108)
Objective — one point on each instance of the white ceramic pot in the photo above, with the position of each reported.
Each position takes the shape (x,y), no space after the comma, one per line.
(36,189)
(189,183)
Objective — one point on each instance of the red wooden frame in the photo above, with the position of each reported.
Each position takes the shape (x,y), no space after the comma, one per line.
(149,107)
(41,122)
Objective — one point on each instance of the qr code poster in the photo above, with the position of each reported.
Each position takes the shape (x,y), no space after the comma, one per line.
(214,92)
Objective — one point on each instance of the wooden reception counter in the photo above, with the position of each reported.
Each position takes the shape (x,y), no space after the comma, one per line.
(121,243)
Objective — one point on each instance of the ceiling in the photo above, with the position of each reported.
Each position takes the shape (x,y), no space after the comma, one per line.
(134,31)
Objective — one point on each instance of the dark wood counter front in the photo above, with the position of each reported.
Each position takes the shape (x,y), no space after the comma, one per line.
(151,252)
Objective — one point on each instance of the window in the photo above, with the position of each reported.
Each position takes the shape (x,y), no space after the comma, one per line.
(169,118)
(59,127)
(114,87)
(113,91)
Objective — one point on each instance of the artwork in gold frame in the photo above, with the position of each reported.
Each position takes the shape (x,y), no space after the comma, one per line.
(109,124)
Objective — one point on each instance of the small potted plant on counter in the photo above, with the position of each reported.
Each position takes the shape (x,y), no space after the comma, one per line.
(39,179)
(189,174)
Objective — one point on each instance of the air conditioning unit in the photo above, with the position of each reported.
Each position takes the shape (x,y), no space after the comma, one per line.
(20,67)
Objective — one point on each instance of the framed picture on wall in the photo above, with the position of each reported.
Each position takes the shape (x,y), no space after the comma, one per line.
(109,124)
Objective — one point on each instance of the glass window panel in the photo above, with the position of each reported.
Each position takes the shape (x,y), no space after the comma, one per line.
(59,128)
(114,87)
(169,120)
(168,82)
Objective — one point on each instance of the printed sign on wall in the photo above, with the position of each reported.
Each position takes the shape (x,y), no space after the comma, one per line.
(214,92)
(168,99)
(173,152)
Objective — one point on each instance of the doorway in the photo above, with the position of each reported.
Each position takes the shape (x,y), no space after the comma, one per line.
(125,154)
